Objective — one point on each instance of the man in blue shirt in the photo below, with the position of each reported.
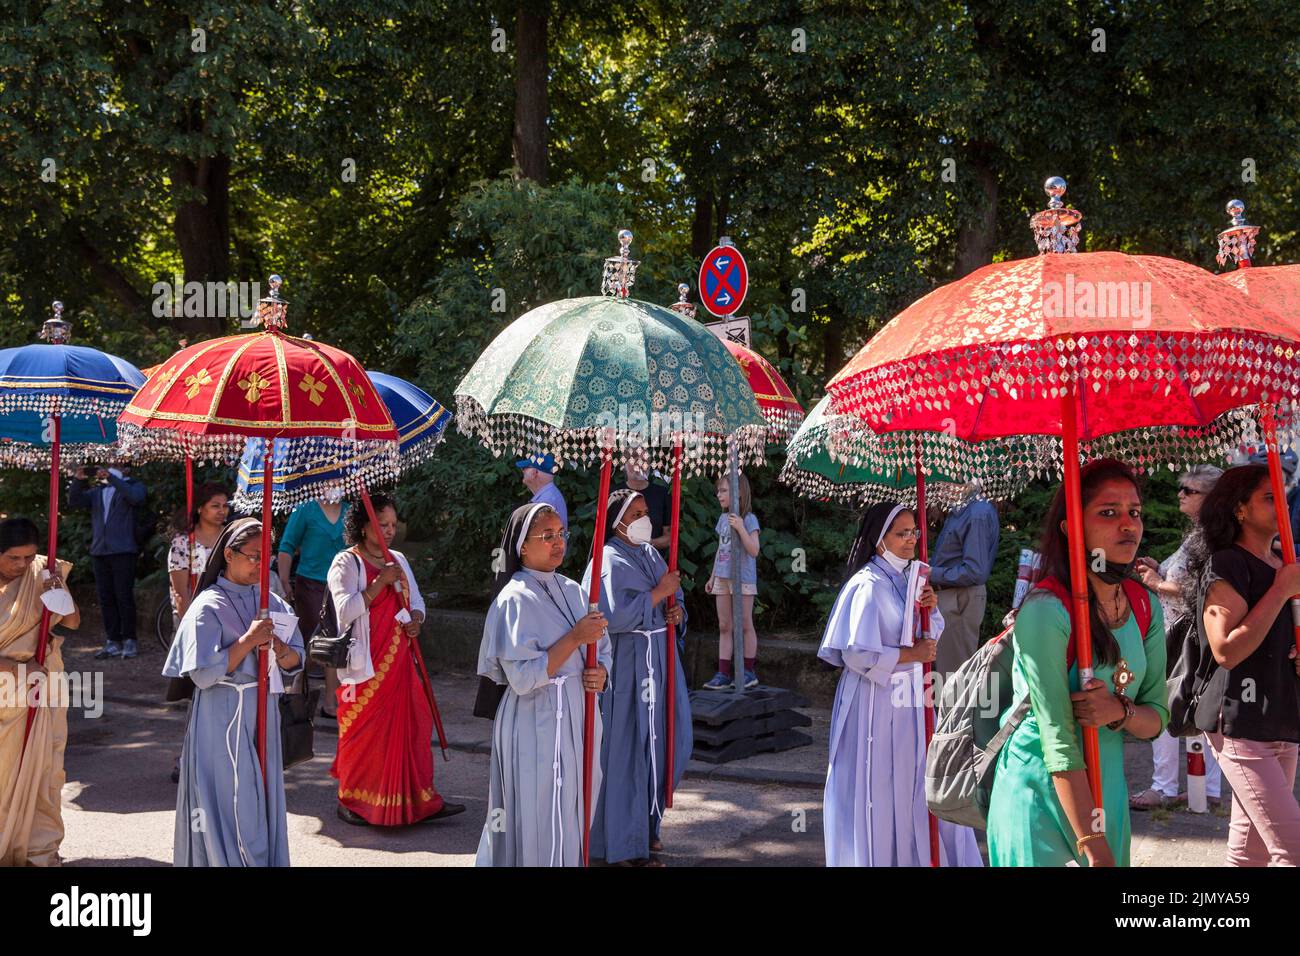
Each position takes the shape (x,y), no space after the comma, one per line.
(315,534)
(114,549)
(539,478)
(960,565)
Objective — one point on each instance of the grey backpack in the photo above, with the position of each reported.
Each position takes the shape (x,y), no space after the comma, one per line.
(964,749)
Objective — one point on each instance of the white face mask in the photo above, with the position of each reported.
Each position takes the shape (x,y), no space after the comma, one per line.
(894,561)
(640,531)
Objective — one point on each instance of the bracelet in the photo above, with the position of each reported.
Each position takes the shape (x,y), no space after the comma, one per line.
(1129,711)
(1078,844)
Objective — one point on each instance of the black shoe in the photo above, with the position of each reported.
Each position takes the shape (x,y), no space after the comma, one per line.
(176,771)
(448,810)
(348,816)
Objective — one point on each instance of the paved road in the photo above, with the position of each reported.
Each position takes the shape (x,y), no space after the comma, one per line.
(119,802)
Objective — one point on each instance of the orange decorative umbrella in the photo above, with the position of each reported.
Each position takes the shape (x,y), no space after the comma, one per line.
(1097,347)
(1276,288)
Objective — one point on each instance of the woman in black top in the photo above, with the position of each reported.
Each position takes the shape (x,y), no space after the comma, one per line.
(1250,709)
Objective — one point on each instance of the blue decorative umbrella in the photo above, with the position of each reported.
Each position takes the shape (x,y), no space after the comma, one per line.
(59,403)
(421,424)
(58,406)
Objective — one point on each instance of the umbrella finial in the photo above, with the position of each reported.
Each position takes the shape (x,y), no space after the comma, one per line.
(1237,242)
(56,329)
(620,270)
(272,310)
(681,306)
(1056,228)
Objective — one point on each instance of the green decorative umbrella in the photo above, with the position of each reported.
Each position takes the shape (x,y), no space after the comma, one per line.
(568,375)
(607,377)
(837,457)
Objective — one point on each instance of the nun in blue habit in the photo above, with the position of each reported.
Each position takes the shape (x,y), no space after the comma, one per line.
(634,587)
(534,646)
(225,816)
(874,811)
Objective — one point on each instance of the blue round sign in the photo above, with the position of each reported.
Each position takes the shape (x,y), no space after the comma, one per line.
(724,280)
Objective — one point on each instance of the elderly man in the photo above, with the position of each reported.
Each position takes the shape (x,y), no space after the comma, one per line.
(539,478)
(960,565)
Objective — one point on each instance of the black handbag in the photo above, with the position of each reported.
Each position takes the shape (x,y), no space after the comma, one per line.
(296,723)
(488,699)
(1191,673)
(327,646)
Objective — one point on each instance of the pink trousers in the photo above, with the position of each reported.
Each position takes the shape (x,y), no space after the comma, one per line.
(1265,825)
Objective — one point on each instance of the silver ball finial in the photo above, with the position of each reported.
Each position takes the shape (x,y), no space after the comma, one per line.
(681,306)
(1237,242)
(1055,188)
(273,309)
(56,330)
(620,270)
(1056,228)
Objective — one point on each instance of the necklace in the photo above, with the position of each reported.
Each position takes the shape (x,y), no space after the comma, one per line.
(373,557)
(1114,613)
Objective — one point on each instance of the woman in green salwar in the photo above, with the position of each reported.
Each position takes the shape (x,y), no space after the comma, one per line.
(1041,811)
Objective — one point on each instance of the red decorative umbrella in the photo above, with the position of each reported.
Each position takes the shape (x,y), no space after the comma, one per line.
(1086,346)
(206,400)
(775,398)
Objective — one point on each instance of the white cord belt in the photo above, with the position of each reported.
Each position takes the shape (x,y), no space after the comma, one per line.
(655,809)
(557,777)
(237,722)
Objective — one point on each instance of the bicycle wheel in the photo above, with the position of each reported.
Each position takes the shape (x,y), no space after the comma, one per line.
(164,627)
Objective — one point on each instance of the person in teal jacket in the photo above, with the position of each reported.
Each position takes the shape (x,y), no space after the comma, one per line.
(1041,810)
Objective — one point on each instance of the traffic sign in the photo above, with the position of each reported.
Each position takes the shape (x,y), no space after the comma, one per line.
(732,330)
(724,280)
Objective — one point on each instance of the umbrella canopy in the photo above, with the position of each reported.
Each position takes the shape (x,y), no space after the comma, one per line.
(565,376)
(1145,341)
(209,398)
(837,457)
(781,409)
(84,387)
(421,423)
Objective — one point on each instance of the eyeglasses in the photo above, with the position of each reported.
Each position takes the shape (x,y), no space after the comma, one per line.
(255,558)
(1189,491)
(550,536)
(911,533)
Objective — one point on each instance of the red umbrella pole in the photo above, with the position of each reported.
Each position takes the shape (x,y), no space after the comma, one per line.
(264,583)
(923,552)
(415,647)
(671,634)
(189,517)
(593,604)
(1079,580)
(51,563)
(1279,503)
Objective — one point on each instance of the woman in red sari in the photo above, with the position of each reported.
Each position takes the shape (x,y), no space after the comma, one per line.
(384,763)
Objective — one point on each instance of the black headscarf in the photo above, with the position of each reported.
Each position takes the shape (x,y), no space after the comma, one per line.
(512,541)
(232,536)
(874,524)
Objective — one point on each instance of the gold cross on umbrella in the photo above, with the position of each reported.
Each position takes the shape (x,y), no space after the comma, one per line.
(313,388)
(196,381)
(253,385)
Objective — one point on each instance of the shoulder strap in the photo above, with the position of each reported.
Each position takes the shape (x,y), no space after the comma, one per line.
(1139,599)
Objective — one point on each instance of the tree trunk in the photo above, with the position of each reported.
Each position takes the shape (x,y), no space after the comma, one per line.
(977,237)
(702,225)
(202,230)
(530,93)
(832,346)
